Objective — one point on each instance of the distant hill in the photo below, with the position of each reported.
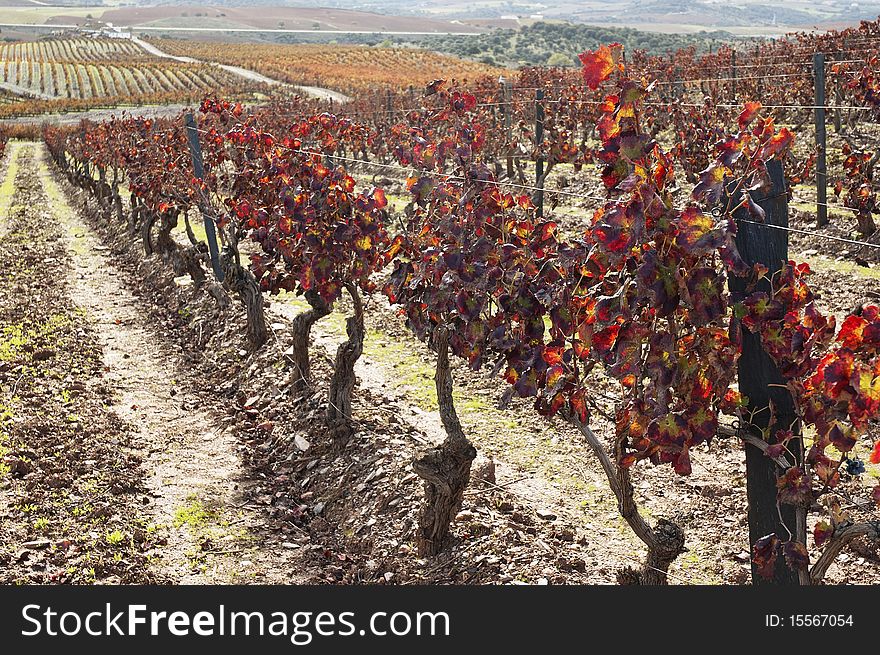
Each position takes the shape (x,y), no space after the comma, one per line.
(558,44)
(680,16)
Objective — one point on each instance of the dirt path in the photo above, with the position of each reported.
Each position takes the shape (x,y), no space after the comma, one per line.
(25,92)
(97,115)
(193,473)
(253,76)
(71,482)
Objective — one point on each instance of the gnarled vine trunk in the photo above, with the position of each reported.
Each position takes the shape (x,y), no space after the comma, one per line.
(183,260)
(117,204)
(342,382)
(865,223)
(665,541)
(134,217)
(301,329)
(149,218)
(165,244)
(446,468)
(242,282)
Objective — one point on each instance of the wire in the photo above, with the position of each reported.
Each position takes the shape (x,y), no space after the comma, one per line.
(810,233)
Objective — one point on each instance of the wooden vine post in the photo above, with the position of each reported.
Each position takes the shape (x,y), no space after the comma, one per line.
(733,76)
(539,160)
(821,171)
(227,266)
(507,109)
(762,383)
(195,150)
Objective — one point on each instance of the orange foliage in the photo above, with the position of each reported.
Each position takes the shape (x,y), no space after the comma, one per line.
(349,69)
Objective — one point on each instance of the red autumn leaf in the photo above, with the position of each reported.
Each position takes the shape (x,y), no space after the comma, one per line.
(778,144)
(553,355)
(467,305)
(598,65)
(702,422)
(850,334)
(796,555)
(670,430)
(711,181)
(554,375)
(604,339)
(827,471)
(732,401)
(379,198)
(682,463)
(524,202)
(750,110)
(842,437)
(527,384)
(608,128)
(765,553)
(794,487)
(875,454)
(557,403)
(835,370)
(579,405)
(631,92)
(822,532)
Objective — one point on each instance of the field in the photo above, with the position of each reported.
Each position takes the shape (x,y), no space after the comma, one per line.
(292,18)
(83,69)
(349,69)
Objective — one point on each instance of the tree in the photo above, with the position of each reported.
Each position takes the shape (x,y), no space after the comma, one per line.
(559,59)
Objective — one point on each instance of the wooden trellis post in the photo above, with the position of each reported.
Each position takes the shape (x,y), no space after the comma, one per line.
(821,171)
(539,162)
(761,382)
(195,149)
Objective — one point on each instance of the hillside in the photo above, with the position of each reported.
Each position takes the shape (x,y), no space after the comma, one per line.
(553,43)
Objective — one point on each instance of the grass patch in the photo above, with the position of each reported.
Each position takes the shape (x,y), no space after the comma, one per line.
(333,324)
(411,373)
(832,210)
(198,228)
(692,564)
(14,337)
(194,514)
(12,341)
(844,266)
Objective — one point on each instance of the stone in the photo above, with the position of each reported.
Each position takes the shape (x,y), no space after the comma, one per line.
(546,515)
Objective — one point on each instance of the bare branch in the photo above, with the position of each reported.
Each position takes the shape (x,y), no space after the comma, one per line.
(841,538)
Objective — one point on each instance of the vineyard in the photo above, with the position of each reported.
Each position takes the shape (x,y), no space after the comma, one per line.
(350,69)
(62,74)
(613,324)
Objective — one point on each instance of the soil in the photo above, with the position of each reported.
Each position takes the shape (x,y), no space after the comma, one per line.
(72,483)
(237,480)
(118,473)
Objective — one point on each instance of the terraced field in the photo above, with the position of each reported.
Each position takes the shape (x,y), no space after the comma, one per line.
(100,69)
